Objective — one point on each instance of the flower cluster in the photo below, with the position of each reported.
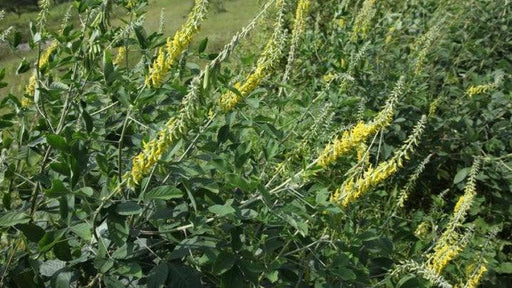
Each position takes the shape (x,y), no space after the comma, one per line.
(176,45)
(476,274)
(299,25)
(121,56)
(353,188)
(268,57)
(479,89)
(363,20)
(360,132)
(152,151)
(300,17)
(44,58)
(185,119)
(447,248)
(450,244)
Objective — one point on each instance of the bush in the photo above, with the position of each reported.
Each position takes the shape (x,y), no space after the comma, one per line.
(367,145)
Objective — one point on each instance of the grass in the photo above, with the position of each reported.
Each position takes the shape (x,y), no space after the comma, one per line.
(219,27)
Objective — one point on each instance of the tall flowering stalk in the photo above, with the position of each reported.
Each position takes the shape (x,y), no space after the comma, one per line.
(121,56)
(268,58)
(176,45)
(299,25)
(186,118)
(363,20)
(354,137)
(476,272)
(354,188)
(479,89)
(451,243)
(404,192)
(32,82)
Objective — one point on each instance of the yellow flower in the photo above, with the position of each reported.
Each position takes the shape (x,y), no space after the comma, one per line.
(352,188)
(363,20)
(475,90)
(158,70)
(353,138)
(153,150)
(176,45)
(300,16)
(268,57)
(476,275)
(341,22)
(45,56)
(31,86)
(121,56)
(422,230)
(449,244)
(443,256)
(328,77)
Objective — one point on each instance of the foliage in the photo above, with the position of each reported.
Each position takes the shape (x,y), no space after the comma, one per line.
(346,159)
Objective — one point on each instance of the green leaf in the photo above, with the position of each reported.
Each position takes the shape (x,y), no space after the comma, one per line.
(117,229)
(103,265)
(62,251)
(222,210)
(140,33)
(63,279)
(83,230)
(50,267)
(202,45)
(163,193)
(184,277)
(233,278)
(58,189)
(408,281)
(223,263)
(128,208)
(85,191)
(108,68)
(23,67)
(130,269)
(111,282)
(347,274)
(57,142)
(33,232)
(5,124)
(157,277)
(461,175)
(253,102)
(89,122)
(13,218)
(223,134)
(505,268)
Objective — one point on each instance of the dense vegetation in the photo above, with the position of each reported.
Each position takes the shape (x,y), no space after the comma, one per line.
(357,143)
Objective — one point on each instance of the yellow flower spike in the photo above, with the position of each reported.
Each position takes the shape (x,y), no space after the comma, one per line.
(352,189)
(45,56)
(176,45)
(268,57)
(480,89)
(361,131)
(476,275)
(180,124)
(449,244)
(341,22)
(363,20)
(31,86)
(121,56)
(300,17)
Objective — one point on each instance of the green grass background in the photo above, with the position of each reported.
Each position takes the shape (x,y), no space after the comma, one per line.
(219,27)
